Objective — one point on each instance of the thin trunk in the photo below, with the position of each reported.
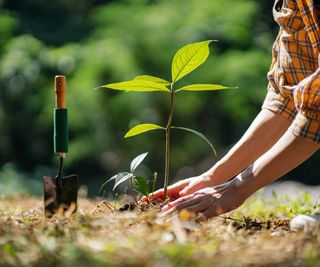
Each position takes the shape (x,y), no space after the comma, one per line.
(168,128)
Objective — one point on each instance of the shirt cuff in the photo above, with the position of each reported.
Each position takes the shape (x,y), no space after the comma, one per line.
(280,104)
(306,128)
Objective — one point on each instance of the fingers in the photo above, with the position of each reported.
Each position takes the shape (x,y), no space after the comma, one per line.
(194,204)
(196,184)
(207,206)
(199,207)
(157,194)
(191,188)
(173,190)
(172,204)
(182,205)
(208,202)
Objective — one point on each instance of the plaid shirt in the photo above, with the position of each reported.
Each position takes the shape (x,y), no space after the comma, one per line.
(294,76)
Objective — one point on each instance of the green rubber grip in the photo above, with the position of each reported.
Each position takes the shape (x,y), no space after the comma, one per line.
(60,130)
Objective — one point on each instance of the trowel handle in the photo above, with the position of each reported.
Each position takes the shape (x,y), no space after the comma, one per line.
(60,118)
(60,91)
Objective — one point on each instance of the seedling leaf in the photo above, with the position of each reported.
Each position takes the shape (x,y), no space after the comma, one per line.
(112,178)
(188,58)
(118,175)
(142,128)
(198,134)
(121,177)
(137,85)
(204,87)
(136,161)
(141,185)
(152,79)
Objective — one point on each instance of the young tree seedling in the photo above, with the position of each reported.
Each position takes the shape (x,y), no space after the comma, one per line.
(186,60)
(138,183)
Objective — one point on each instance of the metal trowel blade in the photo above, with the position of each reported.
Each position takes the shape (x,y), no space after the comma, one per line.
(67,202)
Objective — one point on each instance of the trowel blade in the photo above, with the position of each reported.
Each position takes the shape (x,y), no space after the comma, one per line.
(68,197)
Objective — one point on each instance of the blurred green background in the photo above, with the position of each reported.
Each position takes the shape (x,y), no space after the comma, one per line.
(95,42)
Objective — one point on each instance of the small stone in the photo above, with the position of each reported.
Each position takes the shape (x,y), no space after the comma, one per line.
(305,222)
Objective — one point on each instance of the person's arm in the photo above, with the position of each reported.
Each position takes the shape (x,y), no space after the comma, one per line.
(264,132)
(289,152)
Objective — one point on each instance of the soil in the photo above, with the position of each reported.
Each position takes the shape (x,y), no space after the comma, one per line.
(99,234)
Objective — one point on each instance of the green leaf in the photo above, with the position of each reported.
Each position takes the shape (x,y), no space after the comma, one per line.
(204,87)
(152,79)
(141,185)
(121,178)
(188,58)
(121,174)
(137,85)
(198,134)
(137,161)
(142,128)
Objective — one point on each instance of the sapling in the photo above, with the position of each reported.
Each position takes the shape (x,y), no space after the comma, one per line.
(138,183)
(186,60)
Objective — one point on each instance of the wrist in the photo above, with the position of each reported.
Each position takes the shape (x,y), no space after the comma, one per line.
(216,174)
(244,183)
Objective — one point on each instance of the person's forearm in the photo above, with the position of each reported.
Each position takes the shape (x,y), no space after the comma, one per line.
(263,133)
(289,152)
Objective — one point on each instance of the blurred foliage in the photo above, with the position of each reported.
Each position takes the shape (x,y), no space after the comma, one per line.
(97,42)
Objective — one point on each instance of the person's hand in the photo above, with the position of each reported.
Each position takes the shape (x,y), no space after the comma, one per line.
(173,191)
(199,182)
(184,187)
(209,202)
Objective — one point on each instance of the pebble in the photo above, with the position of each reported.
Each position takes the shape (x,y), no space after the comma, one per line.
(305,222)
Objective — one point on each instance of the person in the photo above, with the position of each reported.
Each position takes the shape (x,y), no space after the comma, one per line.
(284,134)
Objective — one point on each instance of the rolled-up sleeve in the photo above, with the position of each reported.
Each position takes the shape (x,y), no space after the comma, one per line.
(307,102)
(306,94)
(276,100)
(279,103)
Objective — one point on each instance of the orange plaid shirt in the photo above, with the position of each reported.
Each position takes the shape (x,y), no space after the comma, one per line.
(294,76)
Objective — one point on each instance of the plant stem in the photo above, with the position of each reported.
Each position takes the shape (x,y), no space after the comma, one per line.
(155,176)
(167,158)
(131,187)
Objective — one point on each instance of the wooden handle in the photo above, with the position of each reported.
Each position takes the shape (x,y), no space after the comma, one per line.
(60,88)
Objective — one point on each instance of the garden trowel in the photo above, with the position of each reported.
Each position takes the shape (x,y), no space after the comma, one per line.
(60,193)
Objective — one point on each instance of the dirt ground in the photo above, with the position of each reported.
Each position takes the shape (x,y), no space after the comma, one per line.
(257,234)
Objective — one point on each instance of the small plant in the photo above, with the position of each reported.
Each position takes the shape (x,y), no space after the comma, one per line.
(186,60)
(138,183)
